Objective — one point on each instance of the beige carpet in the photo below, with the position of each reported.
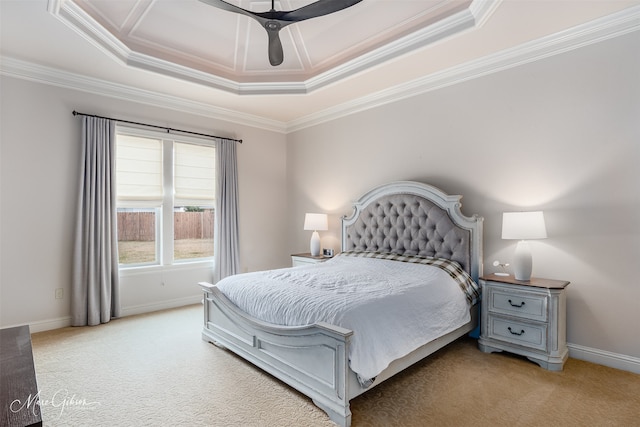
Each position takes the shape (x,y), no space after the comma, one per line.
(155,370)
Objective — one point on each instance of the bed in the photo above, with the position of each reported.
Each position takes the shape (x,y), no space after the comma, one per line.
(402,221)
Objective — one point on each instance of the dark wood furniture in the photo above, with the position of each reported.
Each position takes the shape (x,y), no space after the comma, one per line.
(18,387)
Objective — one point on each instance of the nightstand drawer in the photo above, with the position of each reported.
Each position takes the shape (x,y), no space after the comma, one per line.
(298,261)
(306,259)
(526,318)
(533,336)
(519,304)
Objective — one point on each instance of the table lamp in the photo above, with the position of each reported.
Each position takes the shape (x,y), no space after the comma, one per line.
(523,226)
(315,222)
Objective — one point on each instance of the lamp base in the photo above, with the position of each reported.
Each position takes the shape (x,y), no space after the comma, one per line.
(315,244)
(522,262)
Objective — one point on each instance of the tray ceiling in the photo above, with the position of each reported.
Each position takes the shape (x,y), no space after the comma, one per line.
(222,49)
(149,52)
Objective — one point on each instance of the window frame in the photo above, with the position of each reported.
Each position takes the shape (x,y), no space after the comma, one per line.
(165,211)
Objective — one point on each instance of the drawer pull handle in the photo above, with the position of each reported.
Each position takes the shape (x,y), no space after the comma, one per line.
(516,333)
(516,305)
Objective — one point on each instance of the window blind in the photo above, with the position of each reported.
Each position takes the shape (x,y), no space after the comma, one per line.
(194,175)
(139,171)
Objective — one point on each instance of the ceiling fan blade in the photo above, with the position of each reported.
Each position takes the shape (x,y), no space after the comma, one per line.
(319,8)
(273,21)
(276,54)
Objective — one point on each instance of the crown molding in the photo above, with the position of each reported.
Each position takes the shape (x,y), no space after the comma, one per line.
(29,71)
(601,29)
(454,24)
(73,16)
(605,28)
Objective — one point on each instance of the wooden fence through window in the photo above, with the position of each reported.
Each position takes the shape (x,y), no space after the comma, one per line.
(140,226)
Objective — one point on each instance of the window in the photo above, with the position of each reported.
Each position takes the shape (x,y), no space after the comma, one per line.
(165,192)
(194,187)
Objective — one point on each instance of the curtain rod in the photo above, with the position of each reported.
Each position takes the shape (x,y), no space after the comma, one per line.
(168,129)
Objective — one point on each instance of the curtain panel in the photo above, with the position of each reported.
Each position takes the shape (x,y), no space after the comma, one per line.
(95,293)
(226,254)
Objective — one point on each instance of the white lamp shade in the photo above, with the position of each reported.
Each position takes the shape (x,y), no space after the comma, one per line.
(316,222)
(523,225)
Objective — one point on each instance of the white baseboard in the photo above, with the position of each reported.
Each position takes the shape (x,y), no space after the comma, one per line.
(605,358)
(63,322)
(47,325)
(162,305)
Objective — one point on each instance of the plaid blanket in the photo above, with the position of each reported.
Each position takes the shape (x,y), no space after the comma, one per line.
(462,278)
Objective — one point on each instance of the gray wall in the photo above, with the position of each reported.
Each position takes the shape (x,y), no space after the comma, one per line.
(561,135)
(40,157)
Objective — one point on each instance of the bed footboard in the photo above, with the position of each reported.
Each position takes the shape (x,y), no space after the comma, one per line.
(312,359)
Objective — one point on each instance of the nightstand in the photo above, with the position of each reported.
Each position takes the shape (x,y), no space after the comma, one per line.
(306,259)
(526,318)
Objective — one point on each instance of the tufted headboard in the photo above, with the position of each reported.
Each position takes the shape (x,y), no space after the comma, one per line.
(412,218)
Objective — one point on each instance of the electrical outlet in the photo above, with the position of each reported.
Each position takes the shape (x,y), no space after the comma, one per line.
(59,293)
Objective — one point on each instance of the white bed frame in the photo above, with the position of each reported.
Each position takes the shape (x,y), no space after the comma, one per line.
(314,359)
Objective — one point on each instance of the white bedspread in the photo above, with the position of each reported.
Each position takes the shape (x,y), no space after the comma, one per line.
(393,307)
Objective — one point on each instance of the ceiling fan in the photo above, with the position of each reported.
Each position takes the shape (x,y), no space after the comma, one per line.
(273,21)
